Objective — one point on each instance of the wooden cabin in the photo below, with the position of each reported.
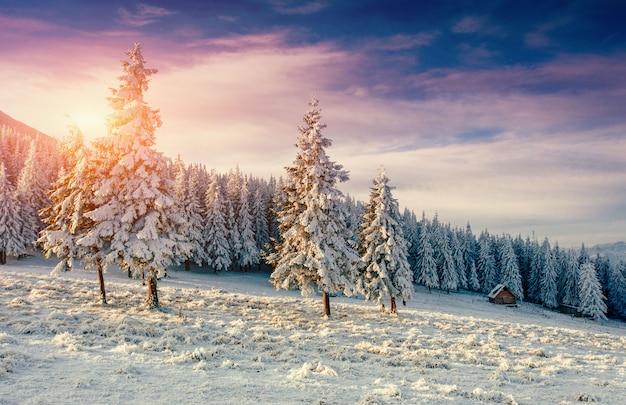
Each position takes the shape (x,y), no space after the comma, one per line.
(502,295)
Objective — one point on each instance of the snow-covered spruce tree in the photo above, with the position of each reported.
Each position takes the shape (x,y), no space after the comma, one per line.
(590,293)
(11,242)
(448,275)
(457,246)
(65,217)
(217,246)
(186,184)
(30,192)
(617,289)
(259,218)
(136,219)
(249,253)
(509,272)
(386,270)
(411,234)
(547,287)
(570,279)
(486,264)
(313,250)
(426,267)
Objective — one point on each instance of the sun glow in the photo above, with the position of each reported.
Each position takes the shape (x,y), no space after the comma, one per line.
(90,123)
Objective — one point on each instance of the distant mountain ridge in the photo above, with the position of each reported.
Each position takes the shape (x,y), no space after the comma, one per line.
(614,251)
(22,128)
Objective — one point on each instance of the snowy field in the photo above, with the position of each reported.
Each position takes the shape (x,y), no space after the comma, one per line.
(231,339)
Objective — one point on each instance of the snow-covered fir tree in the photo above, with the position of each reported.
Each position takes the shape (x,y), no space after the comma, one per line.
(411,234)
(509,272)
(30,192)
(470,255)
(11,242)
(259,218)
(486,265)
(617,289)
(386,270)
(313,250)
(548,291)
(456,247)
(215,232)
(249,254)
(473,282)
(448,275)
(570,279)
(590,293)
(536,270)
(186,184)
(67,224)
(426,270)
(136,219)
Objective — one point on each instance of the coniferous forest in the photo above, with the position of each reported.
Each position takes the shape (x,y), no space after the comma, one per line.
(117,201)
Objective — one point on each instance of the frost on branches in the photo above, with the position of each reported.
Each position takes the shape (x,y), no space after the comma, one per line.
(11,241)
(384,249)
(65,217)
(136,221)
(590,293)
(314,250)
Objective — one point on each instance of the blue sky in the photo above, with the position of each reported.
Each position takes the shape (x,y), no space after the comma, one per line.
(506,114)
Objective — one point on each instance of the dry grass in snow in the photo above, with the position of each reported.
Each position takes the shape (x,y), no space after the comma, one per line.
(229,338)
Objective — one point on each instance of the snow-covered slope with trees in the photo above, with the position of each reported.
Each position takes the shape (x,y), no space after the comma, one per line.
(231,338)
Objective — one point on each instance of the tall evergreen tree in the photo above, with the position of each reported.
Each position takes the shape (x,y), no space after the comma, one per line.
(383,249)
(259,217)
(617,289)
(314,250)
(456,245)
(548,291)
(30,193)
(426,270)
(448,275)
(509,274)
(189,206)
(11,242)
(249,253)
(590,293)
(570,279)
(67,224)
(215,232)
(136,219)
(486,264)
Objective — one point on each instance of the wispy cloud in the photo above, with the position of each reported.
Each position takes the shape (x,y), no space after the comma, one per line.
(298,7)
(478,25)
(144,15)
(400,42)
(540,38)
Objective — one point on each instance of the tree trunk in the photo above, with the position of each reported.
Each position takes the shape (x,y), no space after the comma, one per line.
(3,257)
(326,300)
(103,293)
(153,297)
(187,265)
(392,305)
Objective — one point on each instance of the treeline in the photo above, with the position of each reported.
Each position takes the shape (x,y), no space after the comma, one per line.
(118,201)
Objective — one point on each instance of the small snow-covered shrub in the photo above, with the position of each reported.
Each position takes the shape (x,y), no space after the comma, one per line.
(67,341)
(314,367)
(584,397)
(9,360)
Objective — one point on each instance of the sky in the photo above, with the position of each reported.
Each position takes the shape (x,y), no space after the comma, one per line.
(509,115)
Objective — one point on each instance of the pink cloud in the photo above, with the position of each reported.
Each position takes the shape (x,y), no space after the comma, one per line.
(144,15)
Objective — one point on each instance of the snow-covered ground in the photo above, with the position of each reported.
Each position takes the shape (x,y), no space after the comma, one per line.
(229,338)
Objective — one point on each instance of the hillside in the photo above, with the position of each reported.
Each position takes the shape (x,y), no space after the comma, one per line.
(614,251)
(22,128)
(230,338)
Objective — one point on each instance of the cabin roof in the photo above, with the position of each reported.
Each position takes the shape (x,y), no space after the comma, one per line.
(497,290)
